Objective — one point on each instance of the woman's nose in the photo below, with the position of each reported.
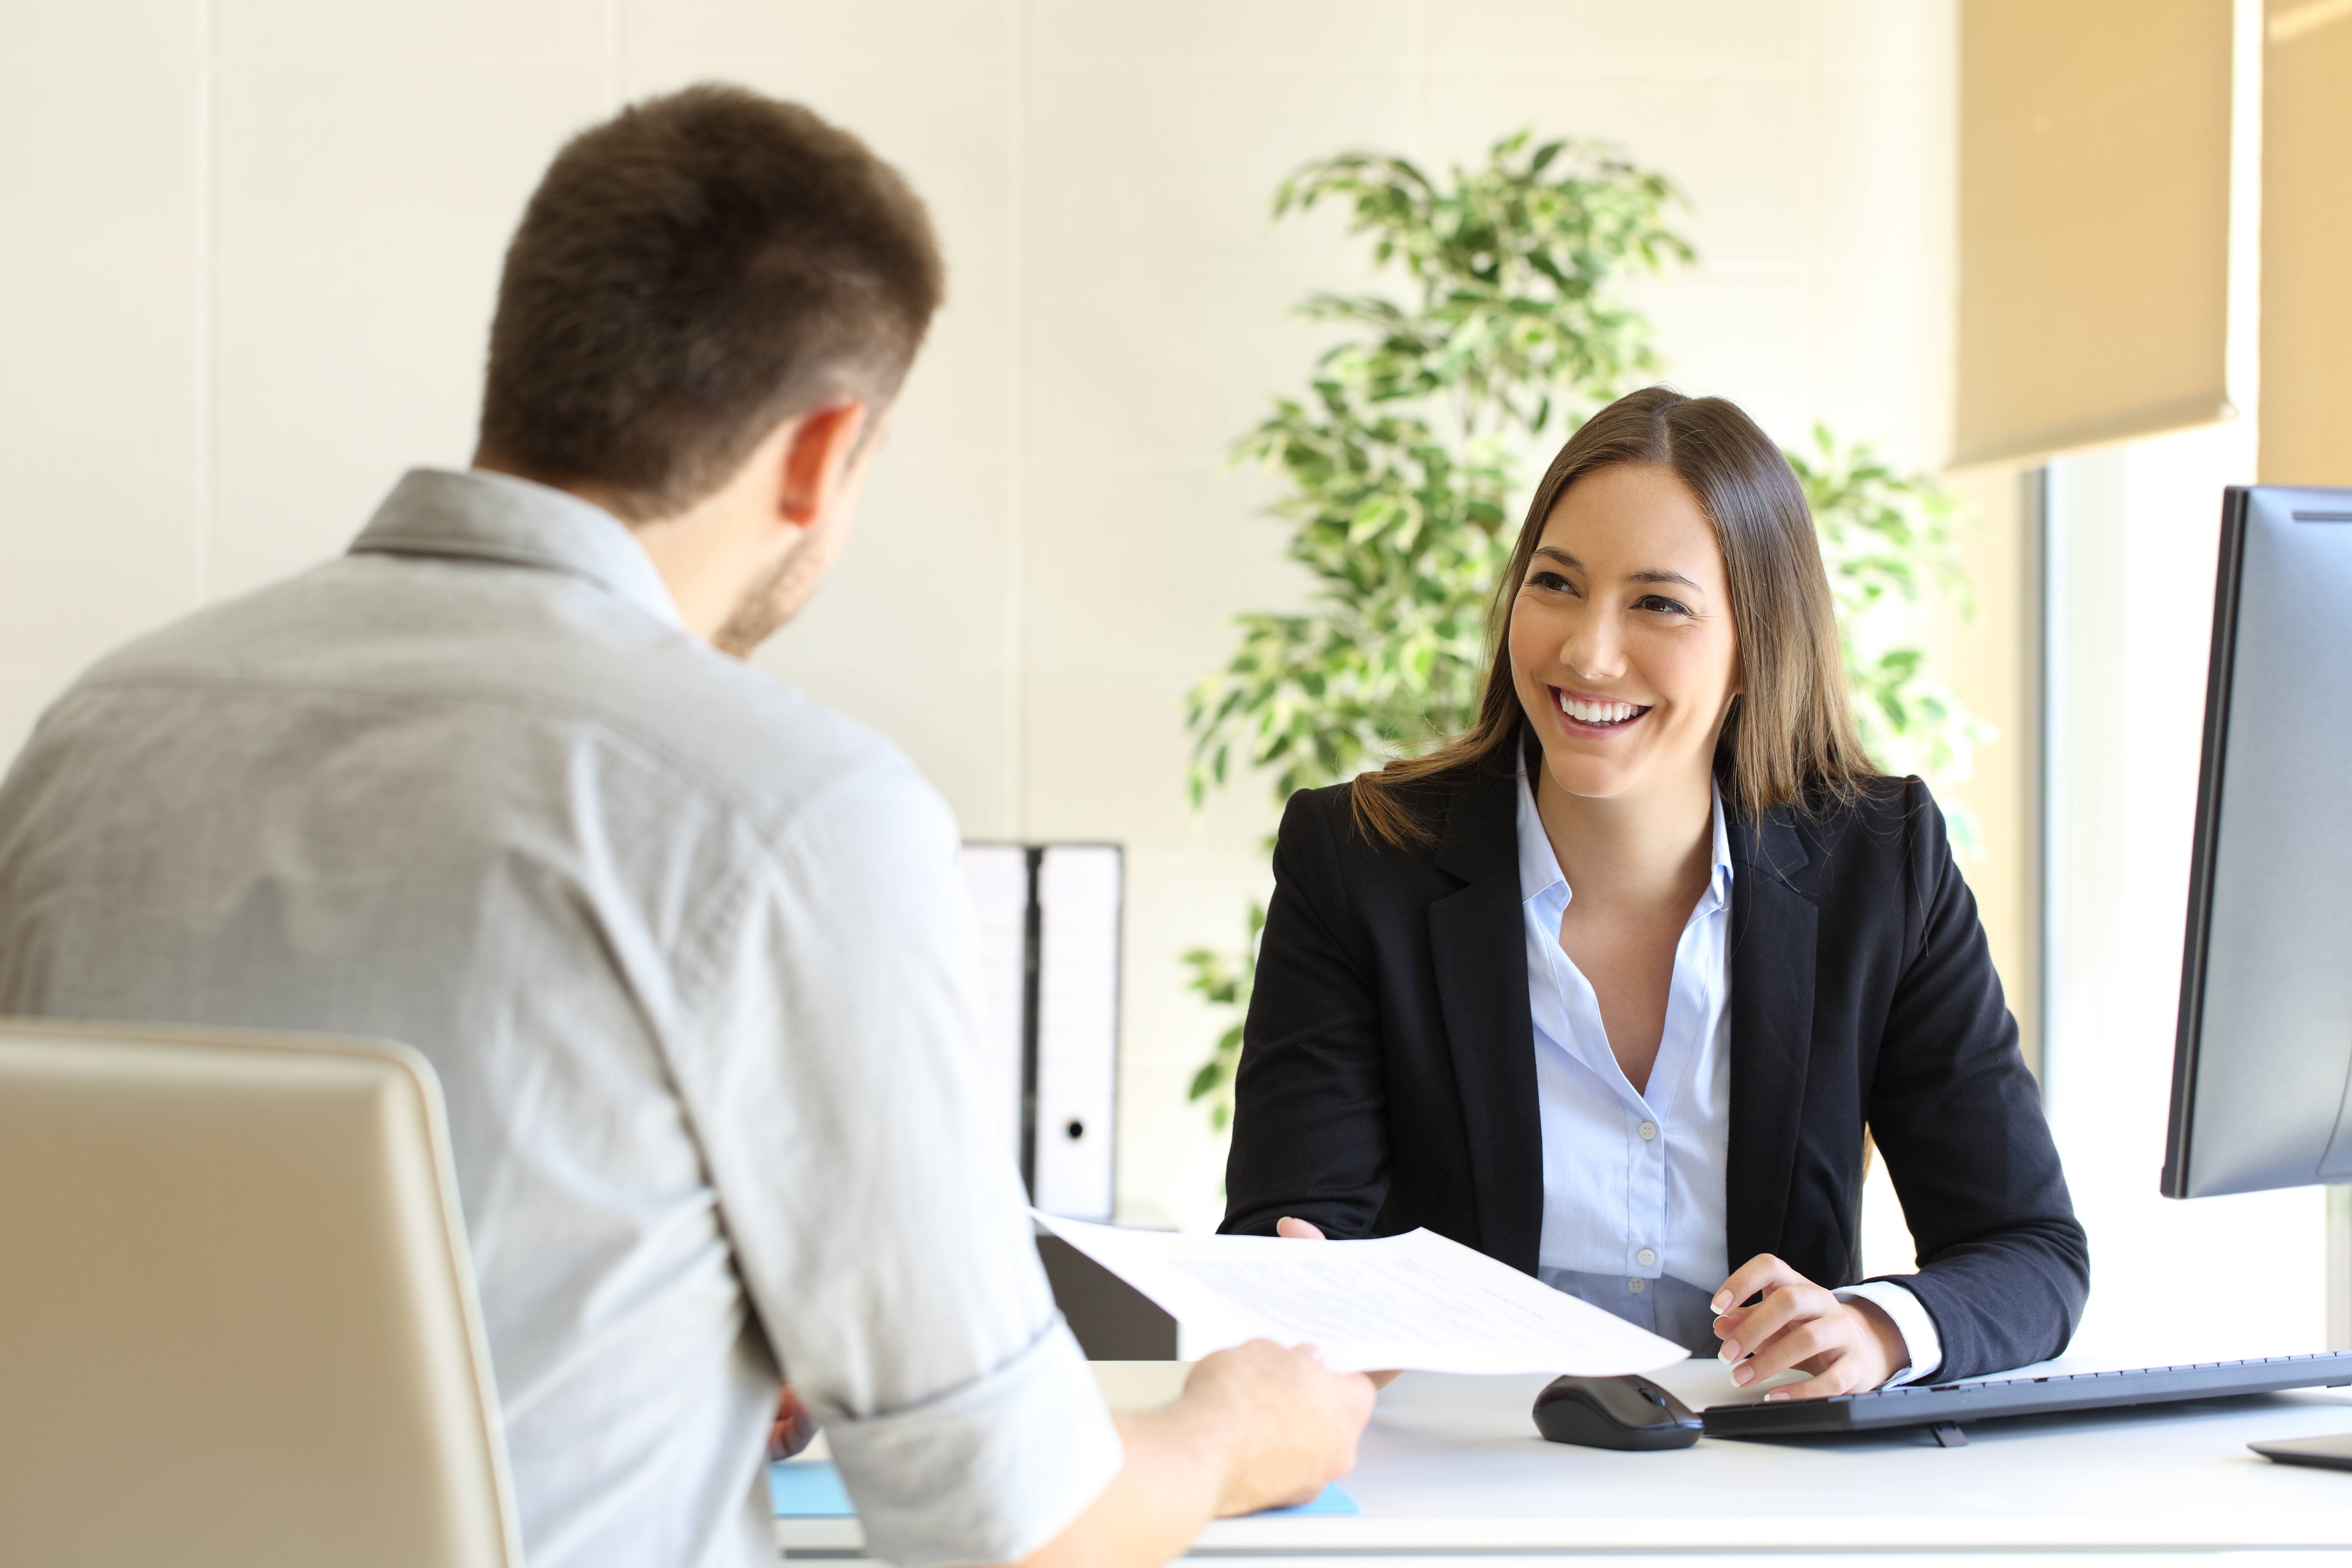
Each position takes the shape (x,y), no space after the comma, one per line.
(1593,650)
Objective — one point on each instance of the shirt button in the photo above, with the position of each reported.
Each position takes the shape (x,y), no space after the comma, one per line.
(1645,1258)
(1648,1130)
(1637,1285)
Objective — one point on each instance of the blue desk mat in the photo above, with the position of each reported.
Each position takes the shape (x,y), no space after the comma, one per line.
(812,1489)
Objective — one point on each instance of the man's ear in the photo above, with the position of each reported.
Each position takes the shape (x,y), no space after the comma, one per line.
(816,458)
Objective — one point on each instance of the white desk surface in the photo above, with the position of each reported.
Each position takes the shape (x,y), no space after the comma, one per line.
(1451,1467)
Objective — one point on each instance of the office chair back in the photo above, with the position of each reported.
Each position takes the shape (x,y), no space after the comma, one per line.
(237,1325)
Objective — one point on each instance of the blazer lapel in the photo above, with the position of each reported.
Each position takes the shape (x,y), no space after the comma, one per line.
(1772,959)
(1479,953)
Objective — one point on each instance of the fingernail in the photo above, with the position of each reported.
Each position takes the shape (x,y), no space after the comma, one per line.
(1722,1300)
(1777,1397)
(1730,1353)
(1743,1375)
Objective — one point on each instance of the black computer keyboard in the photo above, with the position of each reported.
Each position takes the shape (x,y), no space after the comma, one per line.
(1947,1404)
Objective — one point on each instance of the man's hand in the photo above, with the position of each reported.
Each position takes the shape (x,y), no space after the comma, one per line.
(1256,1427)
(1289,1425)
(1846,1346)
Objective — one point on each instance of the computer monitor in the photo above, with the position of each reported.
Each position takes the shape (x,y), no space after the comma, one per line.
(2262,1074)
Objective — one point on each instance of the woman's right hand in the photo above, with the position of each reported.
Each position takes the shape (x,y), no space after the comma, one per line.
(1291,1229)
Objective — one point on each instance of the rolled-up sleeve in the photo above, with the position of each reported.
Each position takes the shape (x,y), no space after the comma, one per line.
(987,1472)
(868,1186)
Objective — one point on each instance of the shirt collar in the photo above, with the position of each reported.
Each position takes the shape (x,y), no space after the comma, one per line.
(1539,870)
(483,516)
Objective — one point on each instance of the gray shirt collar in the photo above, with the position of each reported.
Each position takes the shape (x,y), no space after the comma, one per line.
(496,517)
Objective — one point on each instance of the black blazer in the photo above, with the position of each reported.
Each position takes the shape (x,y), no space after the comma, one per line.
(1387,1078)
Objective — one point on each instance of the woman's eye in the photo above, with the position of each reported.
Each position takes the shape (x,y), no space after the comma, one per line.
(1659,602)
(1550,581)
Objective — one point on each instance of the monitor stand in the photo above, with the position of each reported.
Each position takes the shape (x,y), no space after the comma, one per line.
(2326,1453)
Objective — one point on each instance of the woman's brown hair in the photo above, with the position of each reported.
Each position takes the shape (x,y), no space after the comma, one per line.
(1790,738)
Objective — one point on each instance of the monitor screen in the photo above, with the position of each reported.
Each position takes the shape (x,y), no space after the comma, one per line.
(2262,1075)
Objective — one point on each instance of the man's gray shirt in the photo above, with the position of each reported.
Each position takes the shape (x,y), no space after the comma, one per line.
(692,959)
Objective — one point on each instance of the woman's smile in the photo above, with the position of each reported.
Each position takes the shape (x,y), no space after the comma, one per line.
(1584,714)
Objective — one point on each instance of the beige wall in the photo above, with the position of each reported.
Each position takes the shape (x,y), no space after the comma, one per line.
(252,246)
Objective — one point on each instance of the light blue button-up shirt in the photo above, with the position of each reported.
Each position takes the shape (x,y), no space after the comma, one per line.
(692,959)
(1634,1179)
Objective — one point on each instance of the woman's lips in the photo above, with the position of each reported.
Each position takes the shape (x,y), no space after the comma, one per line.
(1587,715)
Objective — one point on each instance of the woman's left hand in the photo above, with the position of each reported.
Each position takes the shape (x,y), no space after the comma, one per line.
(1846,1346)
(1291,1229)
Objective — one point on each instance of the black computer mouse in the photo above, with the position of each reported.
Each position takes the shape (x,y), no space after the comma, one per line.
(1614,1413)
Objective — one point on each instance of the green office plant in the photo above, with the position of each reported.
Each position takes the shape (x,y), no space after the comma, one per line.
(1886,539)
(1395,466)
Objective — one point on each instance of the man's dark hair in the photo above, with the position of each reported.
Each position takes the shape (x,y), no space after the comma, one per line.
(688,275)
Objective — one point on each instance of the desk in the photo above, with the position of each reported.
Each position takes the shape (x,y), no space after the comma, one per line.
(1451,1468)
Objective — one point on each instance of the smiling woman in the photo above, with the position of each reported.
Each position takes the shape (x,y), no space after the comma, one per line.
(1792,735)
(1612,985)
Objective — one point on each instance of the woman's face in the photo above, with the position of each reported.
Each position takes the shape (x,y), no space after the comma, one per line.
(1622,642)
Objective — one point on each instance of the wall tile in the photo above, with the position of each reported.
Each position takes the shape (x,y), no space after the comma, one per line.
(1604,37)
(120,30)
(526,34)
(1104,756)
(1184,164)
(1747,338)
(99,375)
(1299,35)
(337,372)
(881,32)
(364,209)
(396,160)
(1162,284)
(1887,233)
(1127,371)
(1145,568)
(1741,149)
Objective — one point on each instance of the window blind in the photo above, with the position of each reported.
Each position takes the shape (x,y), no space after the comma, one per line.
(2307,329)
(2094,212)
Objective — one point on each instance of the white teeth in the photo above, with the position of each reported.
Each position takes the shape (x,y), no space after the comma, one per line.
(1585,712)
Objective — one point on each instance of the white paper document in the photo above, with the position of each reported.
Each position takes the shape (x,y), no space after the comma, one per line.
(1416,1301)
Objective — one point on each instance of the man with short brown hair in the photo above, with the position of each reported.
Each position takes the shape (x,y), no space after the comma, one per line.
(689,951)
